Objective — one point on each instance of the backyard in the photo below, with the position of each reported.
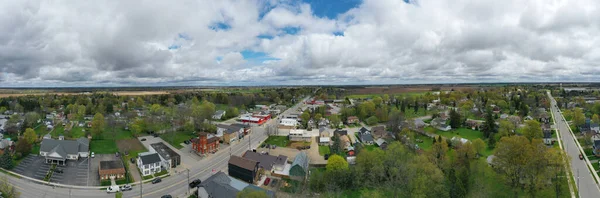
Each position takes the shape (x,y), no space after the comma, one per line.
(324,150)
(103,146)
(177,137)
(281,141)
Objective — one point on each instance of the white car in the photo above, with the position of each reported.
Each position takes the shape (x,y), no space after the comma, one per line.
(112,189)
(92,155)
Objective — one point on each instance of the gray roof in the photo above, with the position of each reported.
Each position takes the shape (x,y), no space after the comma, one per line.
(596,143)
(219,113)
(164,151)
(114,164)
(265,161)
(222,185)
(150,158)
(547,134)
(241,162)
(63,147)
(366,137)
(380,141)
(230,128)
(301,160)
(363,130)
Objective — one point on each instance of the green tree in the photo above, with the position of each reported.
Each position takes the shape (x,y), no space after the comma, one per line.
(506,128)
(479,145)
(578,117)
(305,117)
(155,109)
(335,121)
(532,129)
(24,148)
(251,193)
(136,129)
(336,163)
(318,117)
(489,126)
(98,124)
(455,119)
(596,119)
(6,161)
(372,120)
(29,136)
(377,101)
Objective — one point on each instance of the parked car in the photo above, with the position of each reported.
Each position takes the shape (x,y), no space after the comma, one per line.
(126,187)
(143,139)
(156,180)
(112,189)
(155,135)
(273,183)
(195,183)
(581,156)
(267,181)
(187,142)
(273,146)
(58,170)
(326,156)
(263,145)
(117,154)
(132,160)
(166,196)
(92,155)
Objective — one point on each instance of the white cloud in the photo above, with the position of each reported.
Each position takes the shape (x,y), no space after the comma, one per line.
(384,41)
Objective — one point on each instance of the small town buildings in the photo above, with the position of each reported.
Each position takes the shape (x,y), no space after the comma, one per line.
(288,123)
(222,185)
(459,140)
(381,143)
(474,124)
(339,132)
(168,157)
(365,136)
(323,122)
(419,123)
(324,137)
(230,133)
(59,151)
(299,168)
(255,119)
(149,163)
(218,114)
(267,162)
(444,127)
(113,168)
(352,120)
(6,144)
(299,135)
(379,132)
(344,141)
(246,129)
(205,143)
(243,169)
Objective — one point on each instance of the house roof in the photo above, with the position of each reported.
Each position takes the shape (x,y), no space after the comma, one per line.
(363,130)
(219,113)
(379,131)
(265,161)
(365,137)
(324,139)
(113,164)
(63,147)
(164,151)
(596,143)
(222,185)
(241,162)
(340,132)
(229,129)
(380,141)
(301,160)
(547,134)
(149,158)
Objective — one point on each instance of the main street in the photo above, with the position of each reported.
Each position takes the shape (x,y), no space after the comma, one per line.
(583,177)
(175,185)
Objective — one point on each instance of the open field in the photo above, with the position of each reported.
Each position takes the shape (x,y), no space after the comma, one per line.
(402,89)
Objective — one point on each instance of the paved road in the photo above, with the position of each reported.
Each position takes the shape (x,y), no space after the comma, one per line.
(175,185)
(587,185)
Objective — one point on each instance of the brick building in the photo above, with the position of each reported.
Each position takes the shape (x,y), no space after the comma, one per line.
(205,143)
(111,168)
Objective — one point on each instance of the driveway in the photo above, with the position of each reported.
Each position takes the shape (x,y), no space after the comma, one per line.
(186,160)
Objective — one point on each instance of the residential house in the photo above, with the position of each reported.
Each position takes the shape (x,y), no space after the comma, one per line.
(323,122)
(437,122)
(168,157)
(113,168)
(381,143)
(149,163)
(456,139)
(246,129)
(221,185)
(299,168)
(379,132)
(503,116)
(444,127)
(58,151)
(419,123)
(339,132)
(218,114)
(205,143)
(365,136)
(352,120)
(299,135)
(311,123)
(324,137)
(596,148)
(6,144)
(474,124)
(344,141)
(267,162)
(243,169)
(547,136)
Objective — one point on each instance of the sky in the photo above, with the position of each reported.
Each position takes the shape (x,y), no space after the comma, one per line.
(296,42)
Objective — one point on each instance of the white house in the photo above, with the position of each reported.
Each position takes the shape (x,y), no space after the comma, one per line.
(288,122)
(59,151)
(219,114)
(299,135)
(149,163)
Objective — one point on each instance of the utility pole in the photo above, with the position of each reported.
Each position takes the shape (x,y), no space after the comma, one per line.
(577,178)
(141,181)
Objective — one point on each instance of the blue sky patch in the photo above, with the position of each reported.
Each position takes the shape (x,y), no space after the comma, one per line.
(256,57)
(184,36)
(338,33)
(332,8)
(291,30)
(220,26)
(265,36)
(174,47)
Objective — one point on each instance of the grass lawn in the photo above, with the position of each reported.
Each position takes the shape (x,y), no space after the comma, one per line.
(281,141)
(427,142)
(596,166)
(103,146)
(462,132)
(119,133)
(324,150)
(176,138)
(410,113)
(35,149)
(370,147)
(58,131)
(77,132)
(41,130)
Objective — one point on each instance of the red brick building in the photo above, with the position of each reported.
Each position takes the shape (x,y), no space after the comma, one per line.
(204,144)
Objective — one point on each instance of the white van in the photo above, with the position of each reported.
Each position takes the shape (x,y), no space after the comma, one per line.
(112,189)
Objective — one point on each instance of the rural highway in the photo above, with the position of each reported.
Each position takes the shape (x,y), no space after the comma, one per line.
(175,185)
(587,186)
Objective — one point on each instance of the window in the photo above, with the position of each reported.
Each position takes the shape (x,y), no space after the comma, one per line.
(146,172)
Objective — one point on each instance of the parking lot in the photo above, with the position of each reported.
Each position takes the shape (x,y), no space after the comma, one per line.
(74,173)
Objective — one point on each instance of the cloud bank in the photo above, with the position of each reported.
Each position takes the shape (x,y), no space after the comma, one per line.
(282,42)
